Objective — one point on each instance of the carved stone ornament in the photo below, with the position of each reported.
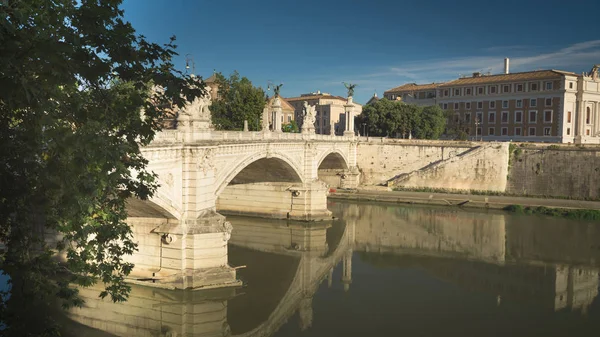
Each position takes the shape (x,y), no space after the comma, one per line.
(227,229)
(206,160)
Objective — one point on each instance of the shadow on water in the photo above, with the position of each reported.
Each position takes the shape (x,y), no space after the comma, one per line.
(418,271)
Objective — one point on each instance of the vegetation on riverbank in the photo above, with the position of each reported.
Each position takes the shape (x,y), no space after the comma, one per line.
(487,193)
(576,214)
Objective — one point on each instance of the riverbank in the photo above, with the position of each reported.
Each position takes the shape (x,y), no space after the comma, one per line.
(463,200)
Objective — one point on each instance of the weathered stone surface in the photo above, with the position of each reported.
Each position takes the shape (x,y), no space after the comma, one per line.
(556,172)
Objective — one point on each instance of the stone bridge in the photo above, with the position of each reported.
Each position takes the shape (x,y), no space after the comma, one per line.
(182,235)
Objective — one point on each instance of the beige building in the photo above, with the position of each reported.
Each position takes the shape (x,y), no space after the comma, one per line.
(331,113)
(536,106)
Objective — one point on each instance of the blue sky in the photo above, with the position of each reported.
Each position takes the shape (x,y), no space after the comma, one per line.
(315,45)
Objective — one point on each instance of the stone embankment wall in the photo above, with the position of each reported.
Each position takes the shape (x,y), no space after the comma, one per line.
(380,161)
(434,164)
(482,168)
(560,171)
(554,170)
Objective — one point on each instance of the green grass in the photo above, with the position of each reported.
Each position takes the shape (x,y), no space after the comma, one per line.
(576,214)
(488,193)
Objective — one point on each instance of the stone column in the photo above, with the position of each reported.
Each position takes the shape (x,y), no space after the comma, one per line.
(277,113)
(349,108)
(265,119)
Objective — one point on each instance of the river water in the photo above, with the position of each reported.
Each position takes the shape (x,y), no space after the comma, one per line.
(382,270)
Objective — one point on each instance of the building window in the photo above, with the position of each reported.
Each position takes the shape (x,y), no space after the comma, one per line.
(492,117)
(570,85)
(568,131)
(468,117)
(493,89)
(587,115)
(518,116)
(533,116)
(547,131)
(289,118)
(456,118)
(478,130)
(446,92)
(479,105)
(505,104)
(479,117)
(533,86)
(506,88)
(468,91)
(445,106)
(548,101)
(587,132)
(492,104)
(504,117)
(532,131)
(455,106)
(547,116)
(533,102)
(504,131)
(517,131)
(519,103)
(456,92)
(491,131)
(480,91)
(569,117)
(468,105)
(519,87)
(548,85)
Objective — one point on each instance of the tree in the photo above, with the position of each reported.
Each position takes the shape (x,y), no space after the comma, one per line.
(75,79)
(238,100)
(432,123)
(456,128)
(292,126)
(387,118)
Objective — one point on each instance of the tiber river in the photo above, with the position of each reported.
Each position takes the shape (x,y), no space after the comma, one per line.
(382,270)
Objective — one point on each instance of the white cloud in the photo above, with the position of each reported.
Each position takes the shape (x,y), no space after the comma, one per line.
(571,58)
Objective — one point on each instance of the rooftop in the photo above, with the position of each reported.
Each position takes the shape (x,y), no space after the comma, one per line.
(414,87)
(320,96)
(522,76)
(284,103)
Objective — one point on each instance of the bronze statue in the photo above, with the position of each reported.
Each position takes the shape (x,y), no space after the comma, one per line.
(350,88)
(276,89)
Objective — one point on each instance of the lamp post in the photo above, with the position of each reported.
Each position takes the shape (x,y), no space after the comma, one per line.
(364,127)
(477,123)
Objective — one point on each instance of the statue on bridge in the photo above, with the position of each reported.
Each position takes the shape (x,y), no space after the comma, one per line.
(196,115)
(350,88)
(276,89)
(308,118)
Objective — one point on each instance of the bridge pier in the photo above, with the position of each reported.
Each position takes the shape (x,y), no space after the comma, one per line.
(186,254)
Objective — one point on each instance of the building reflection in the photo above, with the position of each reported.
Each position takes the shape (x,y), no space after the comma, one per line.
(286,262)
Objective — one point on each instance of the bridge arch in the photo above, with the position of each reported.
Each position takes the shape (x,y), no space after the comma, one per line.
(332,159)
(331,167)
(262,167)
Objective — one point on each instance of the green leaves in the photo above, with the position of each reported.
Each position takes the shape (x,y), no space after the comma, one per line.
(239,100)
(387,118)
(74,80)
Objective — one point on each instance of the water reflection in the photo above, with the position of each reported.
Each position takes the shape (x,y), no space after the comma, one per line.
(410,261)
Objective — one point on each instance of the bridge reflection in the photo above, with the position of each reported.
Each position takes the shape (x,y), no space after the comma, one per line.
(287,262)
